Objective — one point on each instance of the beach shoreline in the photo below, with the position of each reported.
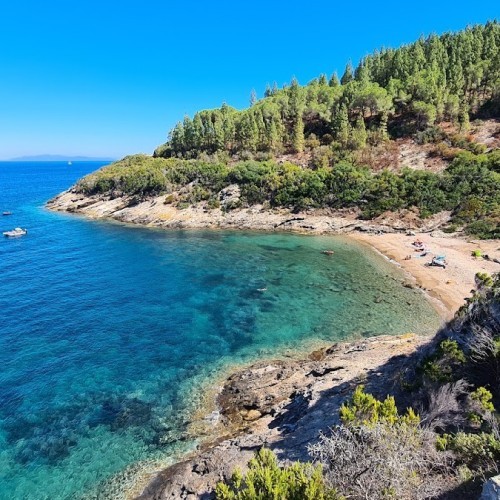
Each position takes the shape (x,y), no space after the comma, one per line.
(447,288)
(390,235)
(238,431)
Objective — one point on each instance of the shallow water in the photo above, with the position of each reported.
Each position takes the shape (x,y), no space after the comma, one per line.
(107,329)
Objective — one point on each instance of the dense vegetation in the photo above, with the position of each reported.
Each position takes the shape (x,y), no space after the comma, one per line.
(327,144)
(396,92)
(377,452)
(469,186)
(267,480)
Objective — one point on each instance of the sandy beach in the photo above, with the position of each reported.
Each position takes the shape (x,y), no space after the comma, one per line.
(387,234)
(448,287)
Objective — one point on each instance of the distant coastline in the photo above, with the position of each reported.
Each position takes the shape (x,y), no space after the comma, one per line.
(60,158)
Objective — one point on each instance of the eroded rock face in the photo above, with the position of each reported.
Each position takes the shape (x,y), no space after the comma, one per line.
(282,405)
(230,196)
(249,394)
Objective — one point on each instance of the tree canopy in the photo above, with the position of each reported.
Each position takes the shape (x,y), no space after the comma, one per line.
(450,77)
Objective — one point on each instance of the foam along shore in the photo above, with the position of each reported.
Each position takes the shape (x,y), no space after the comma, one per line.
(387,234)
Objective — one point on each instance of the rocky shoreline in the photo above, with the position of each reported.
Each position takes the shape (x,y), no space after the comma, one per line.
(155,212)
(284,405)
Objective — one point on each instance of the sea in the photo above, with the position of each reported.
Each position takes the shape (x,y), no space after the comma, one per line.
(112,334)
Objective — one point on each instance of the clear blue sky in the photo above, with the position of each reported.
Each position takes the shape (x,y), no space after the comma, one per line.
(111,78)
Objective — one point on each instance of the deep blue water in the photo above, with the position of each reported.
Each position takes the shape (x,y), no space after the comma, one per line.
(108,330)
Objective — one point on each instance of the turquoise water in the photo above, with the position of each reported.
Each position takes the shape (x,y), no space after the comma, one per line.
(107,330)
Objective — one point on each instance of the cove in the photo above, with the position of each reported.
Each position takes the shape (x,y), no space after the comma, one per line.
(108,331)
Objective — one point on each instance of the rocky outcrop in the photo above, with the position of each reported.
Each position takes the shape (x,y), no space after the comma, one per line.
(283,405)
(159,211)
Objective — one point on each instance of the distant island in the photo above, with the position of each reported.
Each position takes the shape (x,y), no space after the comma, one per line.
(62,158)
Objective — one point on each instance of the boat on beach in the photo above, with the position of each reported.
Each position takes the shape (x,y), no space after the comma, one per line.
(15,233)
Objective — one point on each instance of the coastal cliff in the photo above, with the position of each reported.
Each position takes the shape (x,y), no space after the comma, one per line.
(152,211)
(284,405)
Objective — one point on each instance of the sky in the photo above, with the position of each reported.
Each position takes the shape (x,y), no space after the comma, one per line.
(109,78)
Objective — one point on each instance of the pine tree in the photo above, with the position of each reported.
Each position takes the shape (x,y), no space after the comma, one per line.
(348,74)
(176,139)
(334,80)
(359,136)
(341,126)
(295,100)
(274,139)
(298,135)
(228,126)
(247,132)
(362,73)
(218,131)
(198,132)
(322,80)
(383,125)
(189,134)
(253,97)
(463,119)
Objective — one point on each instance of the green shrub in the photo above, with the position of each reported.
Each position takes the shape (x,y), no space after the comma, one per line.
(442,365)
(483,279)
(213,203)
(469,186)
(365,409)
(486,229)
(266,480)
(480,452)
(452,228)
(483,397)
(430,135)
(449,349)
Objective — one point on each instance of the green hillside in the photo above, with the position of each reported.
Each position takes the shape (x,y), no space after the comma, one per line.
(452,77)
(333,143)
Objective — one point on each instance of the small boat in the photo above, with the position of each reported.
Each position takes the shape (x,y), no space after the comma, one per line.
(328,252)
(15,233)
(6,213)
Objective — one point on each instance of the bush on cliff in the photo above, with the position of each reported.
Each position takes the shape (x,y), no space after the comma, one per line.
(378,453)
(469,187)
(266,480)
